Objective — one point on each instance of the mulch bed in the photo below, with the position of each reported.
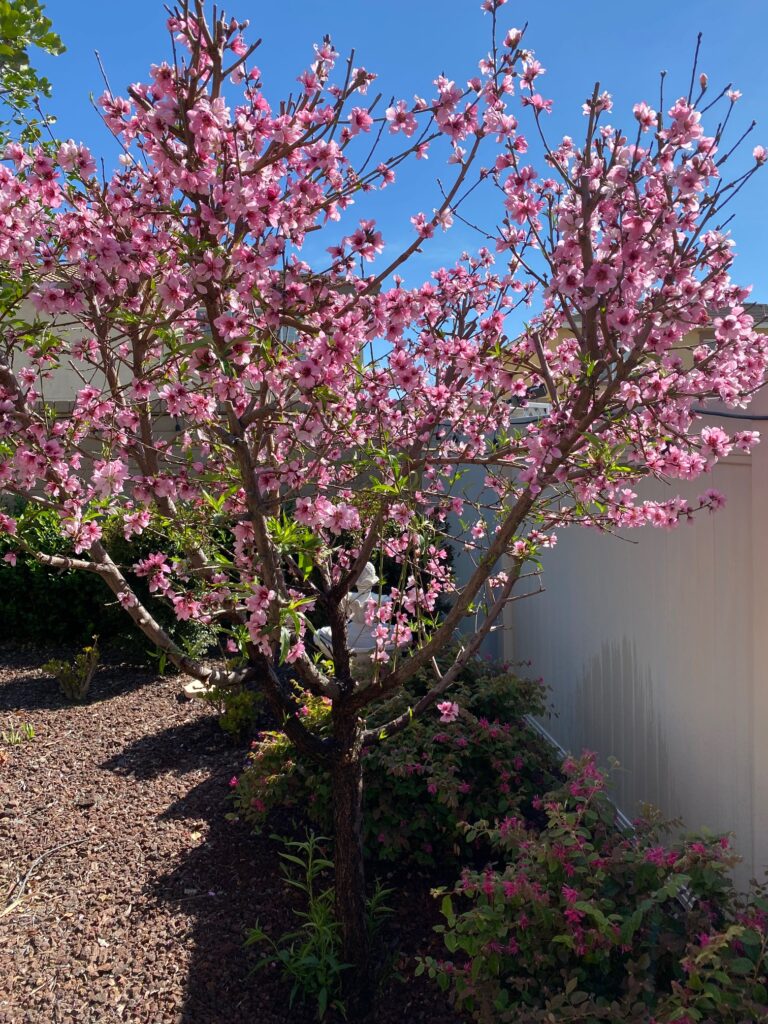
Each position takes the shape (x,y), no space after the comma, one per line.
(125,894)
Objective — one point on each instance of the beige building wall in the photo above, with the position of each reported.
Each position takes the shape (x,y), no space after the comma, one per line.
(655,647)
(60,389)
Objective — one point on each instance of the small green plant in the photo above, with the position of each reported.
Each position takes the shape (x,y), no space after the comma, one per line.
(310,956)
(13,736)
(237,710)
(74,677)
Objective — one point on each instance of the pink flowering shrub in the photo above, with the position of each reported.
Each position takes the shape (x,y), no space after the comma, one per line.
(481,759)
(583,922)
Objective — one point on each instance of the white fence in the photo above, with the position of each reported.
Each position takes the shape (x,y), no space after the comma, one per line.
(656,651)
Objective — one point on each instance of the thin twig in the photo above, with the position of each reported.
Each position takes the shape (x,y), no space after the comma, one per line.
(20,885)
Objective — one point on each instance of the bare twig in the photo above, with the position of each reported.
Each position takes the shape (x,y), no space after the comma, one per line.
(16,892)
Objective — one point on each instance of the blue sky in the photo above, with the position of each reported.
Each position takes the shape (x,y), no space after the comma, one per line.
(408,42)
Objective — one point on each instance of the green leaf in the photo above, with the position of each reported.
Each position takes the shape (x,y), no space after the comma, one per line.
(630,926)
(741,965)
(285,643)
(446,909)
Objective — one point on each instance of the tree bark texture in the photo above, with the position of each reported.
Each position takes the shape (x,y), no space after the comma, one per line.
(349,864)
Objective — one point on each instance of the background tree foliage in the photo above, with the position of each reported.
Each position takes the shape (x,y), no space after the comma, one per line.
(23,26)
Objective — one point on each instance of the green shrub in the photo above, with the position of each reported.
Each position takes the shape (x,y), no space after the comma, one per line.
(74,677)
(38,605)
(43,606)
(582,922)
(422,783)
(238,709)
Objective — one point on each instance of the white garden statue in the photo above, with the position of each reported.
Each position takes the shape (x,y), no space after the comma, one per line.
(359,633)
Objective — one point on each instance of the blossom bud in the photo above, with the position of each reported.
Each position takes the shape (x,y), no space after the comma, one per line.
(703,81)
(513,37)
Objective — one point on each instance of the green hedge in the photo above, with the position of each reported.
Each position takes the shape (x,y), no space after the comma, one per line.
(43,606)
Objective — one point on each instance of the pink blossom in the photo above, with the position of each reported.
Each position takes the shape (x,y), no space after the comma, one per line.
(570,895)
(8,525)
(601,277)
(109,477)
(449,711)
(424,227)
(538,103)
(341,517)
(76,159)
(366,240)
(401,119)
(645,115)
(359,121)
(712,498)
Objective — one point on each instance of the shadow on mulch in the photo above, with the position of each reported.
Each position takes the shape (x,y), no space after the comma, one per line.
(35,690)
(227,883)
(232,880)
(179,749)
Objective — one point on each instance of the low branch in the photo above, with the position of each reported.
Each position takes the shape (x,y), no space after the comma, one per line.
(103,566)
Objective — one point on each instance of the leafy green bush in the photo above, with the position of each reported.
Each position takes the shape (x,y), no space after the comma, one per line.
(310,956)
(74,677)
(421,784)
(238,710)
(582,922)
(29,592)
(83,605)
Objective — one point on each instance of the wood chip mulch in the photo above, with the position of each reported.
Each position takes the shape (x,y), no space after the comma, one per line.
(125,894)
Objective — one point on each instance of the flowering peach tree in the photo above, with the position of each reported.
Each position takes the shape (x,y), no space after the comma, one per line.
(327,413)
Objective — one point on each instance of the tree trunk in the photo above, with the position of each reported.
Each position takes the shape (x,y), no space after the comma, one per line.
(349,866)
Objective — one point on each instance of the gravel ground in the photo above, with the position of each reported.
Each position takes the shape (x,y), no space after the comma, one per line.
(124,892)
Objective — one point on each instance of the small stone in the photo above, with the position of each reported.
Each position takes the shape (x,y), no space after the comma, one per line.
(194,690)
